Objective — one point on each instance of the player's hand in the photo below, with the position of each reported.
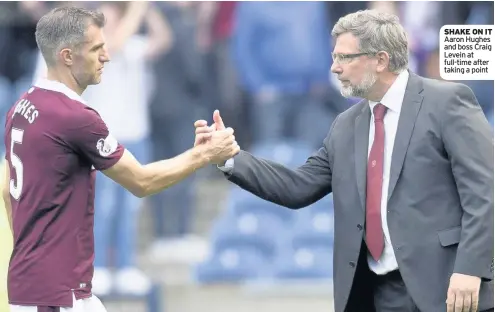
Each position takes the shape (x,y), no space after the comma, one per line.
(221,146)
(218,120)
(203,132)
(463,292)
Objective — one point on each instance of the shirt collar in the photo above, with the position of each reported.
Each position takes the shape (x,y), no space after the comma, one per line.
(57,86)
(395,94)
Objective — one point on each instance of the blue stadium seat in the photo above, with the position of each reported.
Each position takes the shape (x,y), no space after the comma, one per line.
(262,232)
(234,264)
(292,153)
(313,229)
(323,205)
(236,194)
(304,264)
(255,205)
(241,201)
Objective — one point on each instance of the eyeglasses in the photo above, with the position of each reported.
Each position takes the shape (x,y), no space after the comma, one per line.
(347,58)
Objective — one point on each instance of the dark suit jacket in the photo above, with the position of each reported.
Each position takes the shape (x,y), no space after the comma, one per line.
(440,204)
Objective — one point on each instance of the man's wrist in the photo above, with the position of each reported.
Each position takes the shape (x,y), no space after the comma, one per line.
(199,155)
(228,166)
(221,164)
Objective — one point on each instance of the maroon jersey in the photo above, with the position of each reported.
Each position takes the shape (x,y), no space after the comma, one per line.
(54,143)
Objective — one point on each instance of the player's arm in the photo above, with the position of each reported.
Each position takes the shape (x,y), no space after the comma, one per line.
(160,37)
(144,180)
(6,197)
(89,135)
(128,26)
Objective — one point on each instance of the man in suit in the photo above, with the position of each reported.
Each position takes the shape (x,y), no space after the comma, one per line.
(411,171)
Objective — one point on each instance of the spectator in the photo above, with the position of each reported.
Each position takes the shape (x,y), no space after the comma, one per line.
(282,56)
(17,51)
(175,105)
(122,99)
(214,39)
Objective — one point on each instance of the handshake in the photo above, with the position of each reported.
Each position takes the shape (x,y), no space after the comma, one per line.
(217,143)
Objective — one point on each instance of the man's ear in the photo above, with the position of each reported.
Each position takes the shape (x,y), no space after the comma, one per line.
(67,56)
(383,61)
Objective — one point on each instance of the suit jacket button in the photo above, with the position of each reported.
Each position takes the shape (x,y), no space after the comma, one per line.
(360,227)
(352,264)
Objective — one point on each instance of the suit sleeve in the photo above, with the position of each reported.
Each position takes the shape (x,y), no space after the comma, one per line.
(91,138)
(468,140)
(292,188)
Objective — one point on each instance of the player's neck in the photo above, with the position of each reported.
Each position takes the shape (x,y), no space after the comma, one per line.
(67,79)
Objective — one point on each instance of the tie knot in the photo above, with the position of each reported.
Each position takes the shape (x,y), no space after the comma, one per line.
(379,111)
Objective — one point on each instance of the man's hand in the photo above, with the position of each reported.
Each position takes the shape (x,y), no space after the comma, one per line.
(206,135)
(204,132)
(221,146)
(463,292)
(218,121)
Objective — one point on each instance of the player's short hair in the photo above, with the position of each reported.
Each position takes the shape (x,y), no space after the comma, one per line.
(64,27)
(377,31)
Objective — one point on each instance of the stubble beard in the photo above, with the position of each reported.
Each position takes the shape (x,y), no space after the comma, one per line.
(362,89)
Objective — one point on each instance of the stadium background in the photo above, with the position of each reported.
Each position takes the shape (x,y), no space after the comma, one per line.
(204,243)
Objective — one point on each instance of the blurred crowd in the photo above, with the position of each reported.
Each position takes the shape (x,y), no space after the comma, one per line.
(264,65)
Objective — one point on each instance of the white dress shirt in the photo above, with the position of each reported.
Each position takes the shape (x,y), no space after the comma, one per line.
(393,101)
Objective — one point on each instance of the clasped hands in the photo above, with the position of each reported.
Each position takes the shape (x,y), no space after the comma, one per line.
(218,142)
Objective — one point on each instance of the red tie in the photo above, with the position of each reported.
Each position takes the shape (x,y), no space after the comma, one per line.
(374,232)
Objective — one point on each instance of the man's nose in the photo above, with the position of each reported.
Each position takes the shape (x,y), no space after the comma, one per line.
(105,58)
(335,68)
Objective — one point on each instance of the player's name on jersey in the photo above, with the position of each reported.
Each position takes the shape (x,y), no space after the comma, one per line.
(27,110)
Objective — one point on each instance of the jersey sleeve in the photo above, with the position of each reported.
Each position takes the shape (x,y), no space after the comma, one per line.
(91,138)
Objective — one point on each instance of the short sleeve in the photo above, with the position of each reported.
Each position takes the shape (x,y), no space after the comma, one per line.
(91,138)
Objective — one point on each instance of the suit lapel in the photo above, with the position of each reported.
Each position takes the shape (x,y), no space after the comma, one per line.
(407,119)
(361,136)
(409,113)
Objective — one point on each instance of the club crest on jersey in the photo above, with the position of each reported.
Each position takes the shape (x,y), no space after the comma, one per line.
(107,146)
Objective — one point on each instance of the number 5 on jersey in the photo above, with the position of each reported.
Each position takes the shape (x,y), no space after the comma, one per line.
(16,185)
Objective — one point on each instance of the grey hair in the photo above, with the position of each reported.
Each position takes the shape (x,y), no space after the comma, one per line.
(377,31)
(64,27)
